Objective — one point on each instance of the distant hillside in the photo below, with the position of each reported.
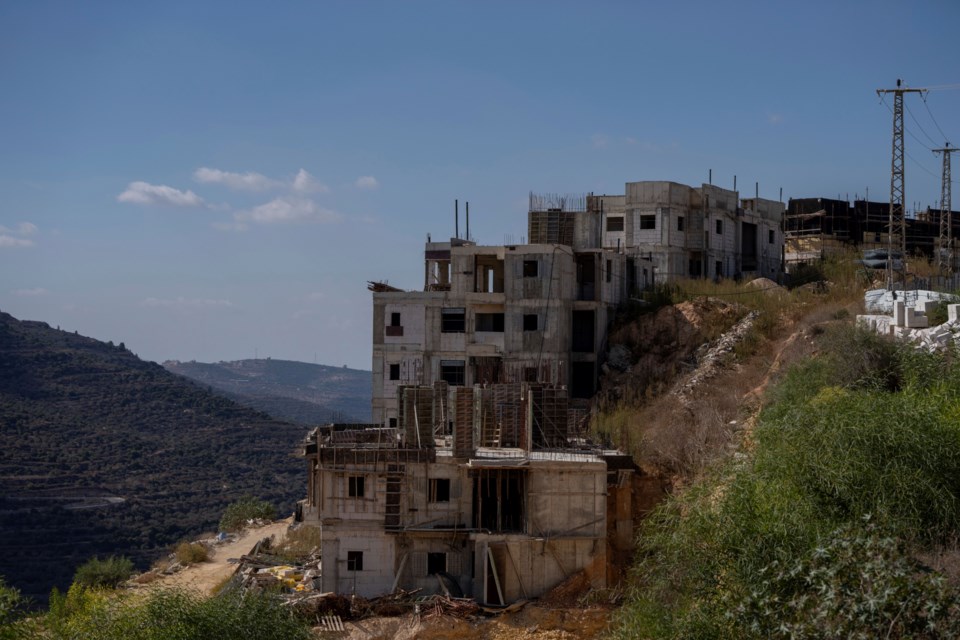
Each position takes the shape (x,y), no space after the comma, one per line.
(288,390)
(103,453)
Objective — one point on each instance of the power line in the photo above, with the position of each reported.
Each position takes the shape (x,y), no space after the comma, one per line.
(936,124)
(910,133)
(917,122)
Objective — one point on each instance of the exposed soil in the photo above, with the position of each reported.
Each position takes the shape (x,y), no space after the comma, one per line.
(533,622)
(204,576)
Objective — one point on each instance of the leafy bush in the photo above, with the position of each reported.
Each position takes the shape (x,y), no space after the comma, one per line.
(109,573)
(13,611)
(165,614)
(857,583)
(247,508)
(778,543)
(191,553)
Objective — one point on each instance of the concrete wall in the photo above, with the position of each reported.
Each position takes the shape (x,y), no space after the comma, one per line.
(565,505)
(412,561)
(379,553)
(528,567)
(565,497)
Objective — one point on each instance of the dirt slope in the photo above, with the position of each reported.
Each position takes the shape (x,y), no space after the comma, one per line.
(204,576)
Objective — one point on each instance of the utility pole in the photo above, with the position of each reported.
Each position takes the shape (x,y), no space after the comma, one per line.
(945,253)
(897,225)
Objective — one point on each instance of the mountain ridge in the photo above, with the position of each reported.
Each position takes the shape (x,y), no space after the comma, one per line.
(104,453)
(287,389)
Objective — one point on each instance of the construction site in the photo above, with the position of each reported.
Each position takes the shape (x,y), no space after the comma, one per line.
(503,506)
(887,233)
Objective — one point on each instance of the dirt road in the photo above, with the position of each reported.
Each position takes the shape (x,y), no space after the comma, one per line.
(204,576)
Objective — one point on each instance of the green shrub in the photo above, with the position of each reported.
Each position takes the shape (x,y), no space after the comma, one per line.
(247,508)
(109,573)
(857,583)
(856,460)
(14,623)
(165,614)
(191,553)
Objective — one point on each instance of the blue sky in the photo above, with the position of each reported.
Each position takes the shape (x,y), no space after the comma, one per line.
(218,180)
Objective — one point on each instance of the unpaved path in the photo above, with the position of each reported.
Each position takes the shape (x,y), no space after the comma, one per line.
(203,577)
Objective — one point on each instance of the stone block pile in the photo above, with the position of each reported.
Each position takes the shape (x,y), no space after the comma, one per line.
(911,322)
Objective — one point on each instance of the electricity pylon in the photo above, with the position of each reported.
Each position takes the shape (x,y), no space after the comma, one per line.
(897,226)
(945,253)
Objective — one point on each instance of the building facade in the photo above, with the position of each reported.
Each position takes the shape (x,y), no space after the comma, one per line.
(686,232)
(505,507)
(496,314)
(474,477)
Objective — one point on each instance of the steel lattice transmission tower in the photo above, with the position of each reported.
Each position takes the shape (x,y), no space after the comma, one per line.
(945,253)
(897,225)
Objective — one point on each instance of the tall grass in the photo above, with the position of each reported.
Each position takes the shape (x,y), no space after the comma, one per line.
(169,615)
(860,446)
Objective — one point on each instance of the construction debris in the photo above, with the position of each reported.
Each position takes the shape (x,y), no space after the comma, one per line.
(880,301)
(382,287)
(711,355)
(911,323)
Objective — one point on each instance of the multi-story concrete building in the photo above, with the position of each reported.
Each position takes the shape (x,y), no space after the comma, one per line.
(411,509)
(494,314)
(474,477)
(686,232)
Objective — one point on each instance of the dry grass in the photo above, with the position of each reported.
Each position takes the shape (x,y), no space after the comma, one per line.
(188,553)
(299,542)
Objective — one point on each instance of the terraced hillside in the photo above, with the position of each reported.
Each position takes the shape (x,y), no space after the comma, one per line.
(103,453)
(289,390)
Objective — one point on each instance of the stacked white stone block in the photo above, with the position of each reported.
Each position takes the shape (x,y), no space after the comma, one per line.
(912,323)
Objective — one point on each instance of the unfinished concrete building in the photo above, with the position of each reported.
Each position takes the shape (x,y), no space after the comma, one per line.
(503,508)
(474,477)
(685,232)
(817,228)
(496,314)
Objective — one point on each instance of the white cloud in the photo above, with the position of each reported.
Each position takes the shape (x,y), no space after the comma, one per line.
(315,296)
(186,303)
(146,193)
(250,181)
(599,140)
(303,182)
(30,293)
(8,241)
(286,210)
(367,182)
(27,228)
(774,118)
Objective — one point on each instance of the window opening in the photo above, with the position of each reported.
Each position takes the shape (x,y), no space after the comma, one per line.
(489,322)
(498,500)
(436,563)
(453,320)
(355,486)
(615,223)
(439,489)
(453,372)
(354,560)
